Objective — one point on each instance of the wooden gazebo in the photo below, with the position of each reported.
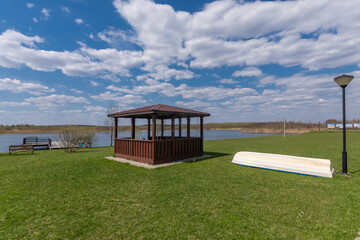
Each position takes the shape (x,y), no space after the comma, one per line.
(159,149)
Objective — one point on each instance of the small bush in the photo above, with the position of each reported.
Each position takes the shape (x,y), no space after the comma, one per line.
(71,137)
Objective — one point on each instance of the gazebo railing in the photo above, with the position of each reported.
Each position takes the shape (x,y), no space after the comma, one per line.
(160,150)
(134,149)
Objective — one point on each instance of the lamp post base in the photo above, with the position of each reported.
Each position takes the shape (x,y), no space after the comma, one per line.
(344,162)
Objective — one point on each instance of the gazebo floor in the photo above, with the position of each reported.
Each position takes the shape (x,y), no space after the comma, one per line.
(148,166)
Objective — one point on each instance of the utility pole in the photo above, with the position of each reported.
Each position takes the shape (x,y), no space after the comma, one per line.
(284,127)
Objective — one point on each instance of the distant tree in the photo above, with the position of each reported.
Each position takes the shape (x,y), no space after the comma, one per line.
(330,121)
(109,122)
(71,137)
(68,138)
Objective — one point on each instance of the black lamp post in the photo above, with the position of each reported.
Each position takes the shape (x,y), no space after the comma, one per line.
(344,80)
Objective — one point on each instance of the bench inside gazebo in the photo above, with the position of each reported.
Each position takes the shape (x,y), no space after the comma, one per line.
(159,149)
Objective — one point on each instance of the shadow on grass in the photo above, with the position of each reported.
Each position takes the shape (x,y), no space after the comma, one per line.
(216,154)
(83,151)
(210,155)
(354,172)
(18,154)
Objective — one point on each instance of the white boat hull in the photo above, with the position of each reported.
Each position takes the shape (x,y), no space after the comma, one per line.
(286,163)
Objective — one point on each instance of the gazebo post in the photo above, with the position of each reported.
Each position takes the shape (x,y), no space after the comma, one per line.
(162,128)
(154,127)
(115,133)
(202,127)
(115,128)
(132,127)
(188,127)
(173,134)
(172,127)
(180,127)
(148,129)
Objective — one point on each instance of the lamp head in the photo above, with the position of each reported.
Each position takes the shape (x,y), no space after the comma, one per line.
(343,80)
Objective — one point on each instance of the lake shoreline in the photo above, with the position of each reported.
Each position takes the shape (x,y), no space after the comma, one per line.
(246,127)
(275,127)
(243,130)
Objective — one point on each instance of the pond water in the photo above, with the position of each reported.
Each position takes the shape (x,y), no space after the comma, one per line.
(103,139)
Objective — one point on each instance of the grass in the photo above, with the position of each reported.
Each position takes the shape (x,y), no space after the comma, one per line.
(81,195)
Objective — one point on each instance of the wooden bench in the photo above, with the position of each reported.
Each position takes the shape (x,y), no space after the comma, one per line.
(21,148)
(37,141)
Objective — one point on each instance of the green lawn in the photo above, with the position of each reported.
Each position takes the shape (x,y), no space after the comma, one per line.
(57,195)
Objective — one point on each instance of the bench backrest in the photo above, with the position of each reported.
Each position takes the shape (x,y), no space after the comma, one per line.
(21,147)
(36,140)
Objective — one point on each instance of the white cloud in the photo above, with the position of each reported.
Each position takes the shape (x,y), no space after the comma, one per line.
(14,104)
(113,61)
(122,100)
(79,21)
(193,104)
(211,52)
(184,91)
(35,20)
(95,109)
(223,33)
(61,99)
(17,86)
(114,36)
(292,98)
(298,97)
(111,77)
(77,91)
(52,101)
(45,13)
(237,33)
(152,86)
(245,35)
(227,81)
(65,9)
(21,50)
(267,80)
(162,72)
(73,111)
(161,34)
(248,72)
(30,5)
(208,93)
(93,83)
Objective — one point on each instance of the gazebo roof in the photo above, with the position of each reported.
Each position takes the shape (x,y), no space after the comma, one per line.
(161,111)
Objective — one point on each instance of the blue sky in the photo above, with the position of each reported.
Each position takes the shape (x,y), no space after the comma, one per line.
(67,62)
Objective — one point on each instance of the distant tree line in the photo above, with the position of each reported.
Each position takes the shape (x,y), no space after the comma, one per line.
(331,121)
(108,126)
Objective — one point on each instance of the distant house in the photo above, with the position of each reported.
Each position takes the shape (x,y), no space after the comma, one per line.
(159,149)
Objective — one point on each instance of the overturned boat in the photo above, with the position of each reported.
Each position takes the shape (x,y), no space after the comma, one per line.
(286,163)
